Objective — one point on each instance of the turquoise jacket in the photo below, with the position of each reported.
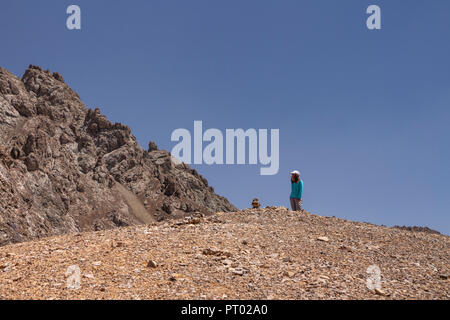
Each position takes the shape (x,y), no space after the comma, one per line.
(297,190)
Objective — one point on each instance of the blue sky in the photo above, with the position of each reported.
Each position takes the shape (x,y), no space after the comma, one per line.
(364,115)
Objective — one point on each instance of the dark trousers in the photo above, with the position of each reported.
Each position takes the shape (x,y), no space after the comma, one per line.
(296,204)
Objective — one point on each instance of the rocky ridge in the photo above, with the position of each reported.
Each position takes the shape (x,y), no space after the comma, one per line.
(66,168)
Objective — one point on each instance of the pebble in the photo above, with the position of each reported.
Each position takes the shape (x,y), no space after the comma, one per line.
(289,274)
(380,292)
(345,248)
(152,264)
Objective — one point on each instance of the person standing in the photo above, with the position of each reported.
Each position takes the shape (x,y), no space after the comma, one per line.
(296,191)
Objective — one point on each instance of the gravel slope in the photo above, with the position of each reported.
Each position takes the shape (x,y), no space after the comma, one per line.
(271,253)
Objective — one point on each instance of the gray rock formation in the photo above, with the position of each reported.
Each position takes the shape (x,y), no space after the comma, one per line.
(65,168)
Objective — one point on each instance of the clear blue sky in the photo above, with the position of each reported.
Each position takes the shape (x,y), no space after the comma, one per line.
(364,115)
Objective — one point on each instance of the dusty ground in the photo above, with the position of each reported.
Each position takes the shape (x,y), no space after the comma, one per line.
(65,168)
(252,254)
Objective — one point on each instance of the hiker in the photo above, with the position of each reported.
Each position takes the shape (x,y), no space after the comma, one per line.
(296,191)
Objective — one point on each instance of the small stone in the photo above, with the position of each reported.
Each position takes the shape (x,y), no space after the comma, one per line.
(195,221)
(324,239)
(237,271)
(380,292)
(97,263)
(444,276)
(227,262)
(58,76)
(244,242)
(64,139)
(216,252)
(118,244)
(152,146)
(152,264)
(32,163)
(345,248)
(175,276)
(289,274)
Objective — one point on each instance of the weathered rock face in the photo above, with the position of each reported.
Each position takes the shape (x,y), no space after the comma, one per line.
(65,168)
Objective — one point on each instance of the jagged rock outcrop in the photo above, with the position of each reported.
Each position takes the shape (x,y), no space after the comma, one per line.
(66,168)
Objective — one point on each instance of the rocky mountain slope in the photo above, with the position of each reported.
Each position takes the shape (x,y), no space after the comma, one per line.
(270,253)
(66,168)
